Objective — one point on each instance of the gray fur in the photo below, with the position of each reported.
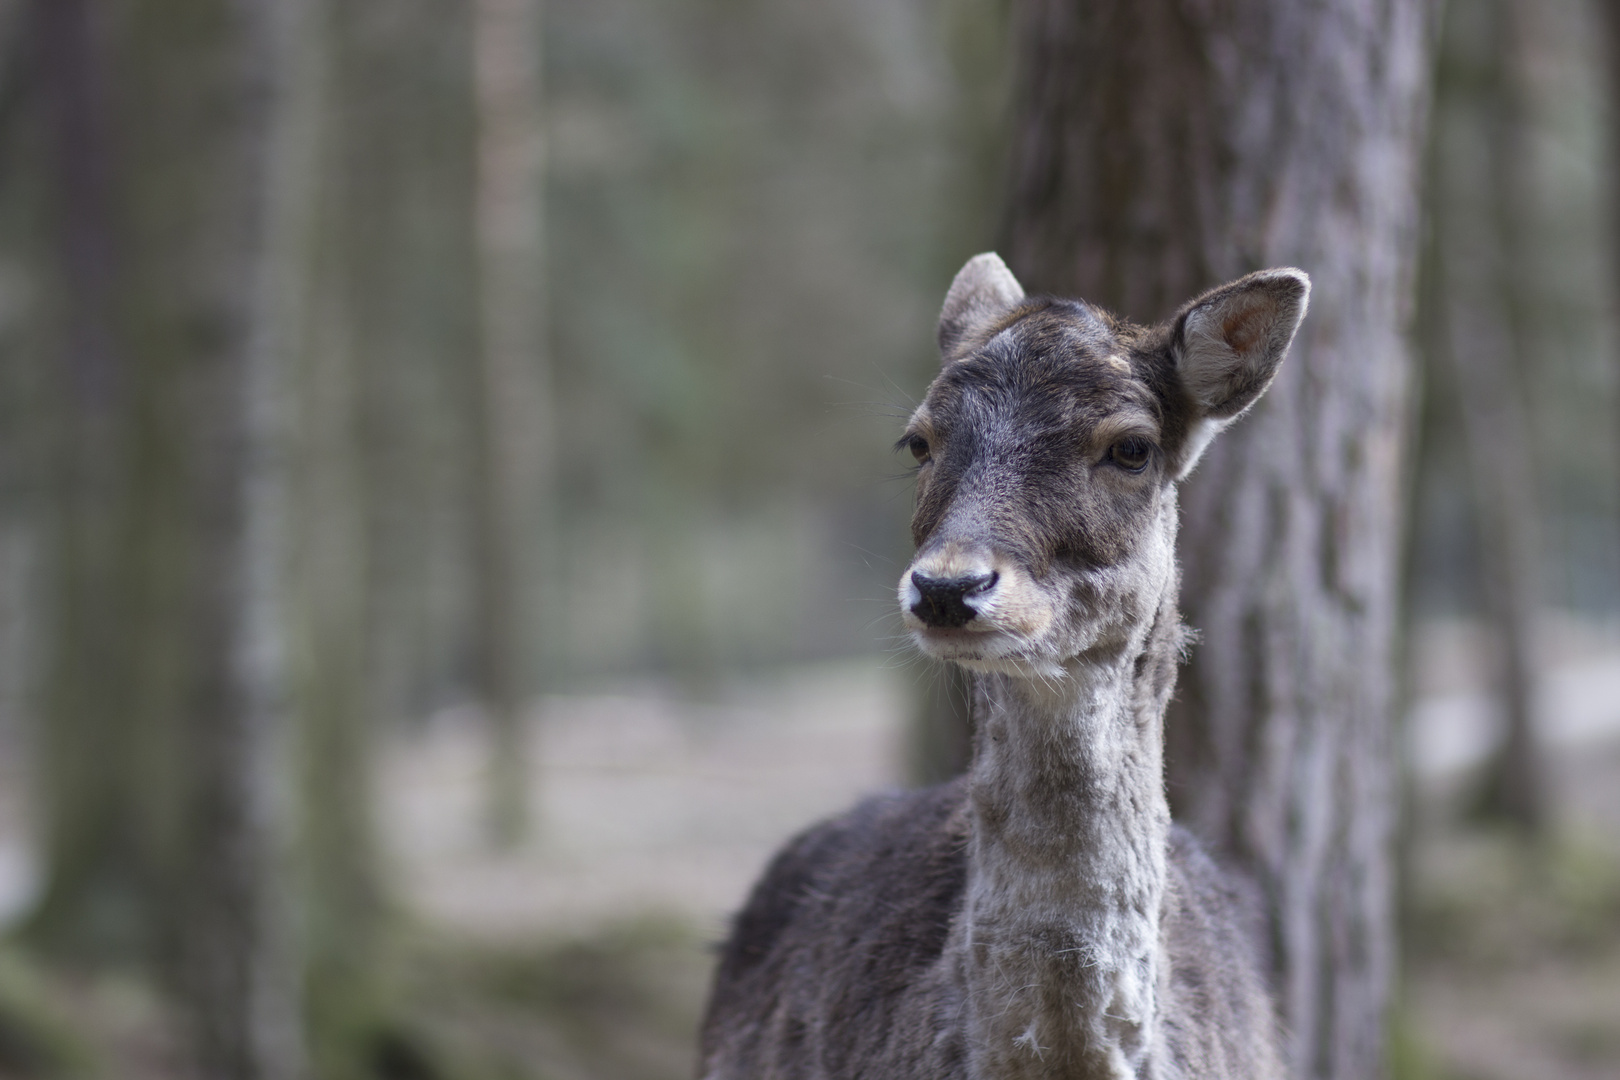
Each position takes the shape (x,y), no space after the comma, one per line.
(982,289)
(1230,341)
(1040,917)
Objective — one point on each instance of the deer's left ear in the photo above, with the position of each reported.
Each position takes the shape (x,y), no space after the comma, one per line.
(1228,344)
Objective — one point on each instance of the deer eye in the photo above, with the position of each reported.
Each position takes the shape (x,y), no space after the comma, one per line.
(918,447)
(1132,454)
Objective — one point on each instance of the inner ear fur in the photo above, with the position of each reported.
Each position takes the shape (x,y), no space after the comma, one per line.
(983,290)
(1229,342)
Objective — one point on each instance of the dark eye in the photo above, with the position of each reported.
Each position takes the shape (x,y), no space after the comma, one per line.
(1131,454)
(918,447)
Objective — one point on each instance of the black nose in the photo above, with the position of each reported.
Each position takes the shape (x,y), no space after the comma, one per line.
(943,600)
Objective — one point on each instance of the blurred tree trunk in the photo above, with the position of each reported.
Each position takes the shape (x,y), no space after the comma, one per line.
(1609,13)
(512,400)
(1163,148)
(239,966)
(940,733)
(164,747)
(27,414)
(97,891)
(407,173)
(341,902)
(940,729)
(1480,204)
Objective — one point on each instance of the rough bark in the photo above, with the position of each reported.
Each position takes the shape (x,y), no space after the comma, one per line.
(1163,147)
(513,428)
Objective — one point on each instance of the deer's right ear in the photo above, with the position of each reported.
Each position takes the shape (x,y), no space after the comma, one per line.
(982,291)
(1228,344)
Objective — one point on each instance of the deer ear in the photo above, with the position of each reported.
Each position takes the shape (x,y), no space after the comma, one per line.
(983,289)
(1228,344)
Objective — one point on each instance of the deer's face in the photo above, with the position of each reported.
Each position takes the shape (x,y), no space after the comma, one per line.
(1048,449)
(1045,515)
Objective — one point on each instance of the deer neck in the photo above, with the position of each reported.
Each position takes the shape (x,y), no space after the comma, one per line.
(1067,860)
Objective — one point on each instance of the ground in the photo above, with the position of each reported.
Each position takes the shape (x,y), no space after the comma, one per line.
(1512,944)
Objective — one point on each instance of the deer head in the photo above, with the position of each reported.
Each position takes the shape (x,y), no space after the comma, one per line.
(1048,449)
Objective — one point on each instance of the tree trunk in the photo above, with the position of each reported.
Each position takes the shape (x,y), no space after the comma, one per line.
(96,898)
(512,403)
(1609,13)
(341,904)
(1480,203)
(164,750)
(405,174)
(1163,148)
(940,734)
(240,968)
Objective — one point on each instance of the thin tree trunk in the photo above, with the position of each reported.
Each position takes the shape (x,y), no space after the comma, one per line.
(405,102)
(1479,210)
(240,965)
(941,730)
(341,904)
(1609,14)
(96,896)
(169,684)
(1162,148)
(514,409)
(170,749)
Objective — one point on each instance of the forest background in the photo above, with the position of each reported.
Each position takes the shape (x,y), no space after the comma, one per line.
(447,533)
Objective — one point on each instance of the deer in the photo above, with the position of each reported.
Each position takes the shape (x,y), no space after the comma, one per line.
(1039,917)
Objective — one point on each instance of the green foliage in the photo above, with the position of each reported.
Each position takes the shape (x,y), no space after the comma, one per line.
(38,1039)
(618,1005)
(1559,282)
(1511,953)
(1408,1056)
(1496,901)
(754,209)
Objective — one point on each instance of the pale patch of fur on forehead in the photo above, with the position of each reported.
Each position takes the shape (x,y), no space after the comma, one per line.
(1051,340)
(982,334)
(1084,326)
(1072,358)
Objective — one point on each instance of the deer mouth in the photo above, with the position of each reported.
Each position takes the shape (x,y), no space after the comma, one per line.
(984,640)
(964,644)
(989,651)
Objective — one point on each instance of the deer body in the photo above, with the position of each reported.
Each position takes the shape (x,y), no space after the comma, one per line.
(1041,917)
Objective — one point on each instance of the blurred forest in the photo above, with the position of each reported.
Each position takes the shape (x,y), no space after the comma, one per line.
(448,533)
